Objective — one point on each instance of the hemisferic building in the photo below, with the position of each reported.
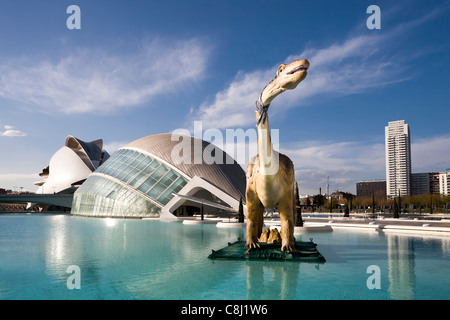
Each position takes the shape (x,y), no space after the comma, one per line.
(142,179)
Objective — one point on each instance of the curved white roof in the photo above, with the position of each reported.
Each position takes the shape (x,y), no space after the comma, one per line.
(227,175)
(90,152)
(66,167)
(72,163)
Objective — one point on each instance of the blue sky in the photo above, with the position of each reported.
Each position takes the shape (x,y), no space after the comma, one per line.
(137,68)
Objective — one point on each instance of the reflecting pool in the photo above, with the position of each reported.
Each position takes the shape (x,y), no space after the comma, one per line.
(149,259)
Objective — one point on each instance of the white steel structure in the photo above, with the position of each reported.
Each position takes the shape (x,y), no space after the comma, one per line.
(398,159)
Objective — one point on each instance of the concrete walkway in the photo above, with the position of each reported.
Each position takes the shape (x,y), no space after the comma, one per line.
(436,227)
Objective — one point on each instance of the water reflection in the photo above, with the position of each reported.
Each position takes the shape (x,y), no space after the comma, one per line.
(275,280)
(402,277)
(156,260)
(57,243)
(403,254)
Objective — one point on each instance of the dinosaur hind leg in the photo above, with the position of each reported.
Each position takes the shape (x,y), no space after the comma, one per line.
(286,210)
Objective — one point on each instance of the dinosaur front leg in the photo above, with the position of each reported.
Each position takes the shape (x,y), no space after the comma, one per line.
(254,222)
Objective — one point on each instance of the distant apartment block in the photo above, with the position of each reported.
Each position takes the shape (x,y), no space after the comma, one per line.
(434,182)
(430,182)
(420,183)
(398,158)
(444,182)
(375,187)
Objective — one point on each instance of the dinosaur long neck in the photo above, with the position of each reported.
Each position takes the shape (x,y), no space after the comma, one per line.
(267,156)
(265,148)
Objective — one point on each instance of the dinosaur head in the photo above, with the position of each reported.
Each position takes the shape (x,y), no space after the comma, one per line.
(287,78)
(290,75)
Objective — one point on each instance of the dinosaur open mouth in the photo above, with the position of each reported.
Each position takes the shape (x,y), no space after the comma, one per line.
(303,67)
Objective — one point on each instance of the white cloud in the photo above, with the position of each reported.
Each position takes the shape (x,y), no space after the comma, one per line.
(355,65)
(10,132)
(234,106)
(13,133)
(345,163)
(340,69)
(431,154)
(102,81)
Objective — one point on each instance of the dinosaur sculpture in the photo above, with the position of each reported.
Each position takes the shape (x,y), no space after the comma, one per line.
(270,175)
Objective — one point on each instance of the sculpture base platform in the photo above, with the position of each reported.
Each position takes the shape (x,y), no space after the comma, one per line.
(307,252)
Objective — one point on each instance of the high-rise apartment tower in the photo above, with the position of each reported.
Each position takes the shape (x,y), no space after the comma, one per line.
(398,159)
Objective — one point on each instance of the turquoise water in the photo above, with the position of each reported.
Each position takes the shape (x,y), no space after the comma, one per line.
(143,259)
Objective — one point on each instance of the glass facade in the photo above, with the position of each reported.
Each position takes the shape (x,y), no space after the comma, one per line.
(130,183)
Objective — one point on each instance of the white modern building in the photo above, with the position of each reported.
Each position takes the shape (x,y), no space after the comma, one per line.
(150,178)
(398,158)
(71,165)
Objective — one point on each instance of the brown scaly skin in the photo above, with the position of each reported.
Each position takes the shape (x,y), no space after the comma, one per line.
(268,187)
